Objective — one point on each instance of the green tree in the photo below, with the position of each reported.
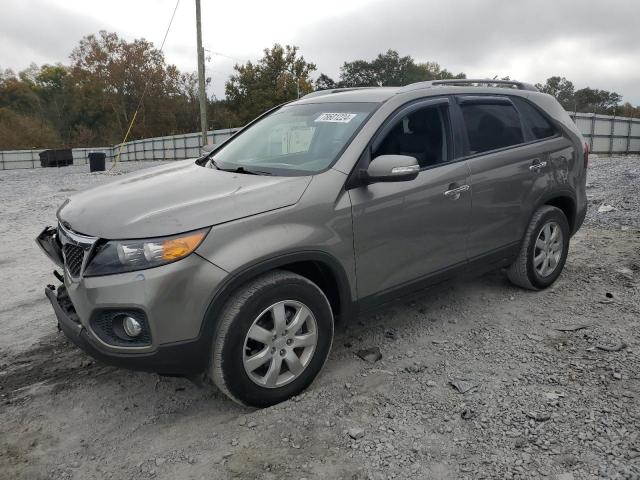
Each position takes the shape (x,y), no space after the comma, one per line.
(279,76)
(18,95)
(595,100)
(561,88)
(388,69)
(325,82)
(586,99)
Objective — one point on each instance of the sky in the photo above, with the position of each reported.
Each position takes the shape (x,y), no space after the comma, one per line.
(591,42)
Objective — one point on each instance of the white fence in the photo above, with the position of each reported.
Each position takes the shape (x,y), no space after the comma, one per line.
(176,147)
(609,135)
(605,134)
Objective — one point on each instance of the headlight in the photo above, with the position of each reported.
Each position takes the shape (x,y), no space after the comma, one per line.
(118,256)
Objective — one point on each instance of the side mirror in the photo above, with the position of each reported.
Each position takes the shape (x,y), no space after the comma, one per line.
(391,168)
(207,149)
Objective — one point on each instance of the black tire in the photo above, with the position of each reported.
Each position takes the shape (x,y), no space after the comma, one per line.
(523,272)
(227,367)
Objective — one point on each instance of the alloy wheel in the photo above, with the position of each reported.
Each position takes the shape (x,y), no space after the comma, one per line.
(548,249)
(280,344)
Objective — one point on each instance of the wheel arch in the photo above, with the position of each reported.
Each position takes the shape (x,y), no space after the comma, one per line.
(565,200)
(319,267)
(567,204)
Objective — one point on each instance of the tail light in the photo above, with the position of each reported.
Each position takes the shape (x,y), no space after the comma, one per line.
(585,149)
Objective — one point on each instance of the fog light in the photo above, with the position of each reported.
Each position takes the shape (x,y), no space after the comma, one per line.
(131,326)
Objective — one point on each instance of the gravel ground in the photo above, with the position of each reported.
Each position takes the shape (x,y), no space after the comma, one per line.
(551,379)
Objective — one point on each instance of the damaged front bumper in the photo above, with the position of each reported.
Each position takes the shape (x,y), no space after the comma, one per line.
(183,358)
(172,298)
(50,245)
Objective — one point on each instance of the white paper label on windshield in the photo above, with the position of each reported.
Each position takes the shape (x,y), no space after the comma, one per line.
(336,117)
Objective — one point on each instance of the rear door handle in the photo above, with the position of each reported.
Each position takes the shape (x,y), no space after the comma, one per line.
(536,167)
(454,193)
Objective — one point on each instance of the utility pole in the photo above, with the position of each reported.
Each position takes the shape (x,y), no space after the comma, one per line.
(202,93)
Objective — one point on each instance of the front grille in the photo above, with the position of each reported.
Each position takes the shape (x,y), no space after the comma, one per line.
(107,324)
(75,247)
(73,257)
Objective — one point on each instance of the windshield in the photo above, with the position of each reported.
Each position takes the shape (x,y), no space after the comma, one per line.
(294,140)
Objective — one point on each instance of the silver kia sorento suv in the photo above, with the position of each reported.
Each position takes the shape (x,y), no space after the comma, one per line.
(240,263)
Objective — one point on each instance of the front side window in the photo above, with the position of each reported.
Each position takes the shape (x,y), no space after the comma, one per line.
(294,140)
(491,126)
(421,134)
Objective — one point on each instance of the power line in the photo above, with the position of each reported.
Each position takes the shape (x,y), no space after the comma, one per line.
(146,87)
(225,55)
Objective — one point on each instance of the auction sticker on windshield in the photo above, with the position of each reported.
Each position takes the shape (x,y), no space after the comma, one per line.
(336,117)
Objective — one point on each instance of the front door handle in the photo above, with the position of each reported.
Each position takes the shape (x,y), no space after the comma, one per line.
(536,167)
(454,193)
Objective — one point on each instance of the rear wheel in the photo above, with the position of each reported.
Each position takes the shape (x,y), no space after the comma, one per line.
(544,250)
(274,336)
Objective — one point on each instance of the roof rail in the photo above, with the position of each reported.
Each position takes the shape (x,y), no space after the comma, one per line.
(329,91)
(484,81)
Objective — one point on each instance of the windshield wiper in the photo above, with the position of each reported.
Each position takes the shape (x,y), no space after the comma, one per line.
(244,170)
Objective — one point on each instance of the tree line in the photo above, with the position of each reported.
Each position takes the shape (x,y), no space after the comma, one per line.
(92,100)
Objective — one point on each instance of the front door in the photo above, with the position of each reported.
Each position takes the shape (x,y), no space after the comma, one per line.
(413,230)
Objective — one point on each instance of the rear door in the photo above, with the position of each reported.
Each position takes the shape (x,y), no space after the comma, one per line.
(508,171)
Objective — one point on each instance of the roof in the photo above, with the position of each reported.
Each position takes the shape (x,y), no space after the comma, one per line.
(368,94)
(381,94)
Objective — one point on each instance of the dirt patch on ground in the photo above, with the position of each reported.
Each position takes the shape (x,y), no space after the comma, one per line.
(551,378)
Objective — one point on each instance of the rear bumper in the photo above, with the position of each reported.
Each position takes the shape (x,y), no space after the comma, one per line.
(181,358)
(580,216)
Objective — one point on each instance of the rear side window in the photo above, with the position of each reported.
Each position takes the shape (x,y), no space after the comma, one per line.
(539,125)
(491,126)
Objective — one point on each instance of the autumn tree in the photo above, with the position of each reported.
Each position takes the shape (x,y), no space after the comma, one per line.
(20,131)
(628,110)
(114,75)
(23,123)
(91,101)
(279,76)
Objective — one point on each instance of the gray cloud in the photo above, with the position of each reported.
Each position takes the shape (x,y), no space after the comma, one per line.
(591,42)
(35,31)
(493,37)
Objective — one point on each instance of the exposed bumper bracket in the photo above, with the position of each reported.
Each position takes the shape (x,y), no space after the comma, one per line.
(48,242)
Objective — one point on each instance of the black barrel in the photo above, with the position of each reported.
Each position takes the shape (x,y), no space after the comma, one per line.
(97,161)
(56,158)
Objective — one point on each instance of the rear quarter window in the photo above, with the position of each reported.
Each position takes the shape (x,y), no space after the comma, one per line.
(538,124)
(491,126)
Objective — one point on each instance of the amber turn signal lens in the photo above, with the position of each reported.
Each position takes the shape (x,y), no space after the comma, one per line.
(182,246)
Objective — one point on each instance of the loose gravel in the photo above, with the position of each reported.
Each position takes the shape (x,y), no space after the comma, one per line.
(474,379)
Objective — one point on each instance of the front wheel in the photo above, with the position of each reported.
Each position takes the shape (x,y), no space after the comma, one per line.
(544,250)
(273,338)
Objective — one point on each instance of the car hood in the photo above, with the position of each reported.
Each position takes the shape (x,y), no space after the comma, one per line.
(175,198)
